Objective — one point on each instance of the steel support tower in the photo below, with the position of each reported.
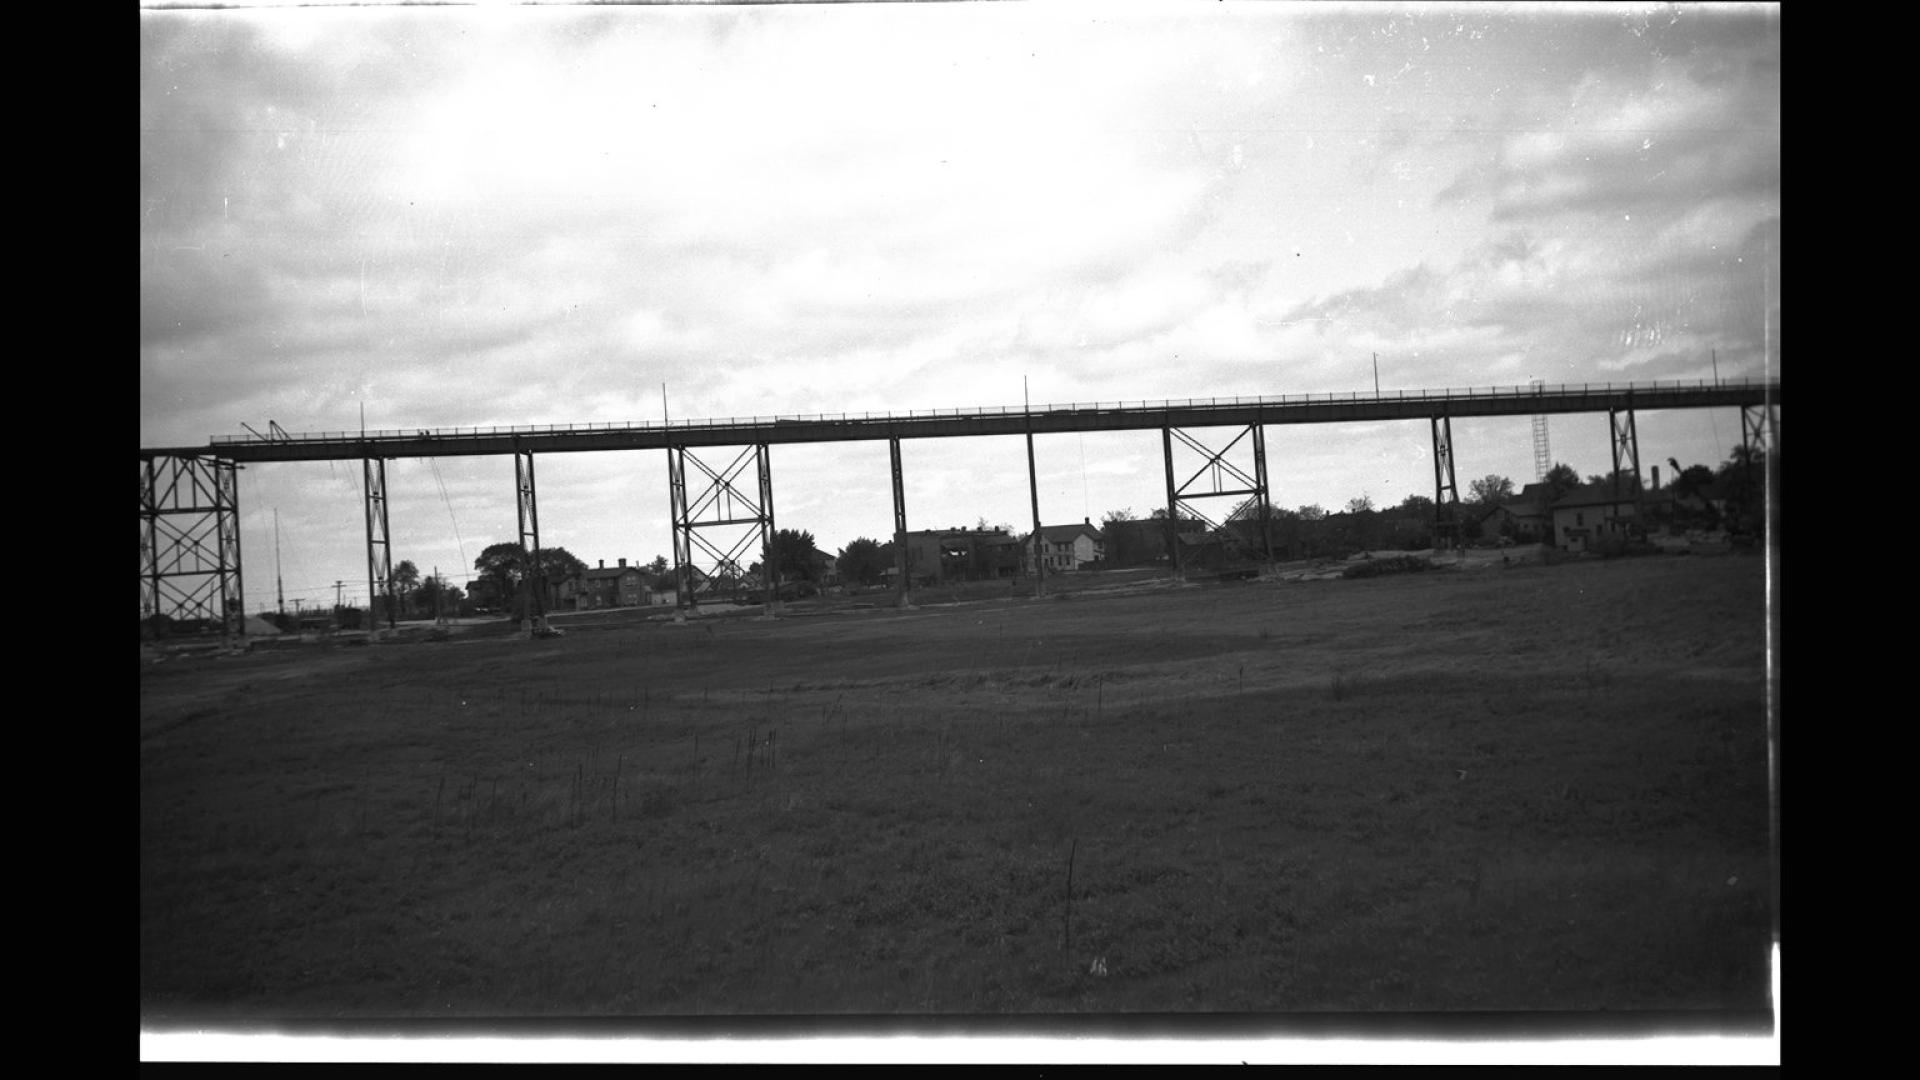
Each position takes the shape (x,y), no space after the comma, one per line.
(1759,428)
(1033,493)
(720,503)
(379,551)
(533,571)
(190,540)
(1626,453)
(1219,473)
(902,586)
(1446,492)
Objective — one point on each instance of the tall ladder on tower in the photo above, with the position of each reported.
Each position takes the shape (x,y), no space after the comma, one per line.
(1542,456)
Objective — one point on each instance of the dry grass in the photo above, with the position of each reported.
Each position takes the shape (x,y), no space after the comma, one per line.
(1535,788)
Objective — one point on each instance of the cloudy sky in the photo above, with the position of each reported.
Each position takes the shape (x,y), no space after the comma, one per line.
(460,217)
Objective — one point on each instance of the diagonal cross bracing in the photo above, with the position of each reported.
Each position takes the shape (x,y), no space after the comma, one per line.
(190,540)
(1759,428)
(723,501)
(1221,472)
(1626,452)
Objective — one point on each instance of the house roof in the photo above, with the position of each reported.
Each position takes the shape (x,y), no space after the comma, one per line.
(609,571)
(977,536)
(1600,494)
(1056,534)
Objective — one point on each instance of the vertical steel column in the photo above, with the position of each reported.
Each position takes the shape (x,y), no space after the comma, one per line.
(379,550)
(769,571)
(149,544)
(682,534)
(533,615)
(233,608)
(902,583)
(1173,504)
(1260,481)
(1033,490)
(1446,493)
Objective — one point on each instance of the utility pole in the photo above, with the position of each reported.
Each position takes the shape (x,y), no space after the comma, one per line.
(1376,374)
(279,587)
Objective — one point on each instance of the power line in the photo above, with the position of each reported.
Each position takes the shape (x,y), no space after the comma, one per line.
(448,502)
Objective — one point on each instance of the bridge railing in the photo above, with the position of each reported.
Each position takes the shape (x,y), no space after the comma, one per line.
(1556,390)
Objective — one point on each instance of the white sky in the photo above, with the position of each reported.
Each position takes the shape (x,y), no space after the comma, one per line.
(455,217)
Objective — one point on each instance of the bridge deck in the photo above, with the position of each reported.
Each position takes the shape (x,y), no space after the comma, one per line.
(1099,416)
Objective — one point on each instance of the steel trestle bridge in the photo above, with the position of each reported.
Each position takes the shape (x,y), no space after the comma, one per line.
(189,497)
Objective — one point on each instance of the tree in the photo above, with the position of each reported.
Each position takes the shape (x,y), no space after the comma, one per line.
(500,565)
(504,564)
(1360,505)
(1744,464)
(657,569)
(1490,490)
(1690,480)
(406,579)
(1629,480)
(1129,542)
(1312,512)
(862,562)
(437,597)
(1743,479)
(794,555)
(1559,480)
(1413,522)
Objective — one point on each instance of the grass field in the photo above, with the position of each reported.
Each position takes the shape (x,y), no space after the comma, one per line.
(1523,788)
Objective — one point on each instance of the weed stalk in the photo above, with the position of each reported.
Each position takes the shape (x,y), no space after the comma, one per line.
(1066,944)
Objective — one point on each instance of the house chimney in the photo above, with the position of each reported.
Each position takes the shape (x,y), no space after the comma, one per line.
(603,564)
(1656,478)
(623,564)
